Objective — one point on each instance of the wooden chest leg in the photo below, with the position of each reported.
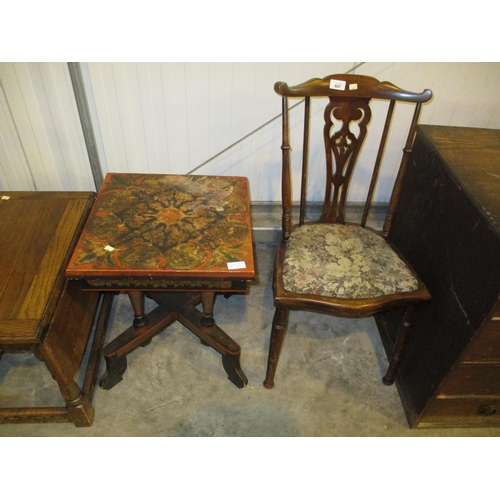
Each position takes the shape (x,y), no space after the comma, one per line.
(81,412)
(79,408)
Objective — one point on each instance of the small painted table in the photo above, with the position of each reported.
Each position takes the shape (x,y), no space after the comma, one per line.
(177,239)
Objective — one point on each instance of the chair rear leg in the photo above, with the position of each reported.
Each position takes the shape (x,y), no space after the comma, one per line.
(278,332)
(402,337)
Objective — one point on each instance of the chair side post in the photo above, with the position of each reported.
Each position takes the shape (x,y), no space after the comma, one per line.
(398,185)
(286,180)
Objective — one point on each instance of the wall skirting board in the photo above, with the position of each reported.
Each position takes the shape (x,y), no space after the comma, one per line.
(266,218)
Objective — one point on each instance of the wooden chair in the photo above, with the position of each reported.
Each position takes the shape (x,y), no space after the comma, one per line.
(327,265)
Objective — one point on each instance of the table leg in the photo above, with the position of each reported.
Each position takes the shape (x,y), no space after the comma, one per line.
(204,327)
(115,368)
(231,364)
(207,301)
(137,300)
(154,322)
(171,307)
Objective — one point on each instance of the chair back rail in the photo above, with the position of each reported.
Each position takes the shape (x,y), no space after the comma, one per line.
(342,146)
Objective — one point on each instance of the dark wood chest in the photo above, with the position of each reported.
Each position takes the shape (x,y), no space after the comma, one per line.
(448,226)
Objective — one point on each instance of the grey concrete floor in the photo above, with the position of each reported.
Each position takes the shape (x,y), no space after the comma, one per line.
(328,382)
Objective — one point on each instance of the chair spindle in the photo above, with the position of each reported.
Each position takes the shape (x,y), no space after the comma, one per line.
(378,161)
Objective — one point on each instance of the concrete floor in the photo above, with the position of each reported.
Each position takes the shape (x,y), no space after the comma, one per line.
(328,382)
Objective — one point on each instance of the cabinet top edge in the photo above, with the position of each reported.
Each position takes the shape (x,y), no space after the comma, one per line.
(472,156)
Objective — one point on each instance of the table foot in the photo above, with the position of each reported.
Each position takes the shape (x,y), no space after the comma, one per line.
(172,307)
(234,372)
(140,321)
(216,338)
(115,368)
(207,321)
(157,320)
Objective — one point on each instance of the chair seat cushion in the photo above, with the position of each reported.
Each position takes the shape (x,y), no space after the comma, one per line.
(343,261)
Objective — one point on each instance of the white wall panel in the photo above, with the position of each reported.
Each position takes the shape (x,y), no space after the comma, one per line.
(150,83)
(176,121)
(174,117)
(198,113)
(207,107)
(14,171)
(105,103)
(126,85)
(41,104)
(485,113)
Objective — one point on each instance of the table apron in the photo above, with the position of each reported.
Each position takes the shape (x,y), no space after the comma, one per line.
(163,285)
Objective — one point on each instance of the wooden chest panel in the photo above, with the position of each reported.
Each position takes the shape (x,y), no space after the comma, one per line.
(461,412)
(43,312)
(446,225)
(38,230)
(472,379)
(485,347)
(71,326)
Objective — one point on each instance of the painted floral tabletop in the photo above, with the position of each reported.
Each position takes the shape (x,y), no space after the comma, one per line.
(151,225)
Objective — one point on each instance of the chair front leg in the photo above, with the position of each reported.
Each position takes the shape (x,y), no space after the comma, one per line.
(278,332)
(402,337)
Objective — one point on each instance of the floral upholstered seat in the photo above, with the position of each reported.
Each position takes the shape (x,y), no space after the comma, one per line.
(343,261)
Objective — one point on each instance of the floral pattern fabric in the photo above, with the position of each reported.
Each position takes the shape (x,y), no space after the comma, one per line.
(343,261)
